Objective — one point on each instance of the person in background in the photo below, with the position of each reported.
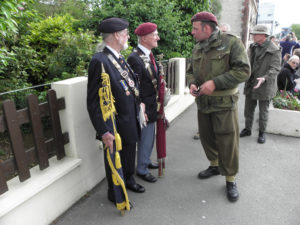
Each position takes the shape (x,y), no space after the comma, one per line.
(142,61)
(261,87)
(297,53)
(287,44)
(214,84)
(287,79)
(225,27)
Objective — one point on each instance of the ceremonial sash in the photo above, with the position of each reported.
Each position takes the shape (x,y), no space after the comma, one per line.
(125,76)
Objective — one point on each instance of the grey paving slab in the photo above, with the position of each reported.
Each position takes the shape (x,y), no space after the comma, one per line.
(268,182)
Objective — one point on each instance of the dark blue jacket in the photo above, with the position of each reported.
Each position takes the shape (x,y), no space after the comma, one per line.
(147,91)
(127,106)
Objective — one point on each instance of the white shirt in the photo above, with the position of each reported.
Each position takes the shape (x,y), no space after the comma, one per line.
(145,50)
(117,54)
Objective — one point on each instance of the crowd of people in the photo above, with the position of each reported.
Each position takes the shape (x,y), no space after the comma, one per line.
(219,64)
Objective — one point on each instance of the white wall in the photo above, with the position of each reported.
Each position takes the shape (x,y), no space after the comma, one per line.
(232,14)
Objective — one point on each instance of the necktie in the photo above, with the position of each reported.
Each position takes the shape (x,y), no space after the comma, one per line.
(153,61)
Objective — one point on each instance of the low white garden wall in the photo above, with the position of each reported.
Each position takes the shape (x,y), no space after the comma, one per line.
(284,122)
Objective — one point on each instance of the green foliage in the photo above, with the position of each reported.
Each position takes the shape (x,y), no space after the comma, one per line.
(172,18)
(20,15)
(296,30)
(76,8)
(8,25)
(45,35)
(72,56)
(286,100)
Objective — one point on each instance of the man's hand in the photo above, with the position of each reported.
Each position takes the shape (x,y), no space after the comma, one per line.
(108,140)
(193,90)
(207,88)
(144,111)
(260,81)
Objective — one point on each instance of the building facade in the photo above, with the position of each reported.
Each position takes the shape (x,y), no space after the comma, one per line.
(241,15)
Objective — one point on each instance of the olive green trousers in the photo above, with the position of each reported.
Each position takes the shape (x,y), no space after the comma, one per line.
(219,135)
(250,105)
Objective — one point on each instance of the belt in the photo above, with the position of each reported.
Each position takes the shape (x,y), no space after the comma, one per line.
(225,92)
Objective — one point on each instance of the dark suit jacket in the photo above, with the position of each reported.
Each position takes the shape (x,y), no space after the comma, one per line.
(147,90)
(126,105)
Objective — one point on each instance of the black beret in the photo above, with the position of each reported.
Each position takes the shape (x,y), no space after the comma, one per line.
(112,25)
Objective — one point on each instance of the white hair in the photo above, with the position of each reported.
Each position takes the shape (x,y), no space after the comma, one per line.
(225,27)
(106,37)
(293,57)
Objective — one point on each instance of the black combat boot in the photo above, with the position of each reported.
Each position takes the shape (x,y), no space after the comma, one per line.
(245,132)
(210,171)
(261,137)
(232,191)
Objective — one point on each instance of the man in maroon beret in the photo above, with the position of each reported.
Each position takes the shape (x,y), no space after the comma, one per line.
(219,64)
(144,65)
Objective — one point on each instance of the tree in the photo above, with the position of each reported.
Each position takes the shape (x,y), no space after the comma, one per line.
(171,16)
(296,30)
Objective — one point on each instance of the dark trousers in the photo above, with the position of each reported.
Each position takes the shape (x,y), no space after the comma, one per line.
(219,135)
(250,105)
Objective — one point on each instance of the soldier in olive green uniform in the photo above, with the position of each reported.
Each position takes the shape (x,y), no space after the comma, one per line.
(265,58)
(219,64)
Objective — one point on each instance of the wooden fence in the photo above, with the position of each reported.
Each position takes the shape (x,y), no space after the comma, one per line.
(22,158)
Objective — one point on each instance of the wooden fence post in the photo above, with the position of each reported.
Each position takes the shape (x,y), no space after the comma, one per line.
(37,128)
(58,136)
(3,185)
(16,139)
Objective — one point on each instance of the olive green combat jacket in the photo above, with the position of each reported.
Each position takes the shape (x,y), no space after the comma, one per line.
(265,63)
(223,59)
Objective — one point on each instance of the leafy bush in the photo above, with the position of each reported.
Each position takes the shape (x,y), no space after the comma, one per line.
(286,100)
(72,55)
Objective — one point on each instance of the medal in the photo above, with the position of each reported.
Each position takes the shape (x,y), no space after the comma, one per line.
(125,87)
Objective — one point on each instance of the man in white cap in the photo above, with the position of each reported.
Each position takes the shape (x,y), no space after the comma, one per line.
(265,59)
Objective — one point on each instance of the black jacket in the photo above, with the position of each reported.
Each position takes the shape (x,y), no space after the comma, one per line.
(126,105)
(147,91)
(286,77)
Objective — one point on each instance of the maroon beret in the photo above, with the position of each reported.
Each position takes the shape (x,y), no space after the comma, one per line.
(145,28)
(205,16)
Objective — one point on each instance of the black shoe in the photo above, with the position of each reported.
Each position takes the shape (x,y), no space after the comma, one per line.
(210,171)
(261,137)
(153,165)
(245,132)
(148,177)
(137,188)
(232,191)
(197,136)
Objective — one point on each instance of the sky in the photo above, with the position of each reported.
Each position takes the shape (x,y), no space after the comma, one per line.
(287,12)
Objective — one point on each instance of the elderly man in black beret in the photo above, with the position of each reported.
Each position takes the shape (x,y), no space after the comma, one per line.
(124,88)
(219,64)
(144,65)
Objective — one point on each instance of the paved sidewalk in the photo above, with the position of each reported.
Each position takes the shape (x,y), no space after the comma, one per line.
(268,182)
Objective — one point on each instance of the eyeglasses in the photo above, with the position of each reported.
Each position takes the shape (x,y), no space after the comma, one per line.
(295,63)
(124,32)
